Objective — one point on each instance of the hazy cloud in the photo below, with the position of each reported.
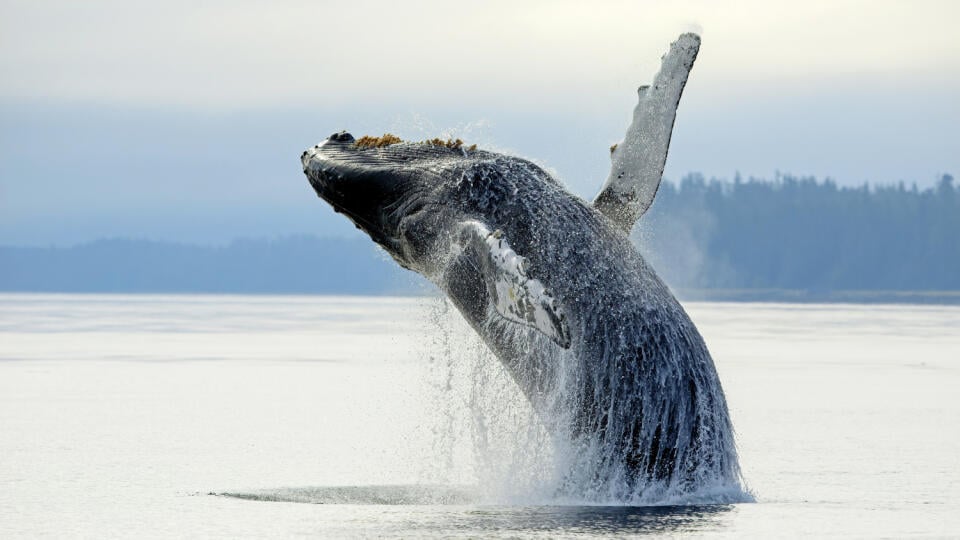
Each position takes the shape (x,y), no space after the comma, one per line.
(241,53)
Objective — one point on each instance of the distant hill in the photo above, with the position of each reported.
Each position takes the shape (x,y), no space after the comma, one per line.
(300,264)
(787,239)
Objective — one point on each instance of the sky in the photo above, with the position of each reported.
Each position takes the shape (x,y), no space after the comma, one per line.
(184,120)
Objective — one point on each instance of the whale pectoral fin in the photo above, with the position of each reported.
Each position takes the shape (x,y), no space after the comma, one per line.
(513,294)
(639,160)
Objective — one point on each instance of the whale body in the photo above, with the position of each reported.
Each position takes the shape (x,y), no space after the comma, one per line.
(592,336)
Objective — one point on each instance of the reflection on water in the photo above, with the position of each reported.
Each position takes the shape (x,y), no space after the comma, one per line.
(463,511)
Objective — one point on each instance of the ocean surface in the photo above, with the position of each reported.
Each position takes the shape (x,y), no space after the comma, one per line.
(150,416)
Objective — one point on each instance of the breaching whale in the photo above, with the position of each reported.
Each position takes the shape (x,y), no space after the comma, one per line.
(592,336)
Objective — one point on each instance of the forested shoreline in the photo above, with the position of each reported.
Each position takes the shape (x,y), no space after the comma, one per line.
(797,233)
(789,238)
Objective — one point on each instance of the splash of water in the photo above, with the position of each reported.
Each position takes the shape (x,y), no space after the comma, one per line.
(486,433)
(516,454)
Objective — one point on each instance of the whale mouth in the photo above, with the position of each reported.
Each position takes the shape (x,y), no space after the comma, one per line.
(373,181)
(366,178)
(351,183)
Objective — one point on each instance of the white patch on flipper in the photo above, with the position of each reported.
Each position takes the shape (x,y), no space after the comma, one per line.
(514,294)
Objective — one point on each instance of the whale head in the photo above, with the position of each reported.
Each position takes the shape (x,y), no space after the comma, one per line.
(407,195)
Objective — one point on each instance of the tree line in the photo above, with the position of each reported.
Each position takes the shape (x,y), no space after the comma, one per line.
(798,233)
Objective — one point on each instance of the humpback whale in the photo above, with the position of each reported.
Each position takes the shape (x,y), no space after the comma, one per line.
(592,336)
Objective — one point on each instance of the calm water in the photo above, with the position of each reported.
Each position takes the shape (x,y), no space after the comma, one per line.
(220,416)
